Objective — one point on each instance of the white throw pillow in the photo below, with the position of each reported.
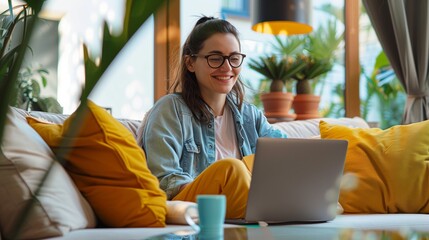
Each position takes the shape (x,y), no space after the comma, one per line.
(24,160)
(310,128)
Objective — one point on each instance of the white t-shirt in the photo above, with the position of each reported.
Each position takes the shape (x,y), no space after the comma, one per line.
(226,137)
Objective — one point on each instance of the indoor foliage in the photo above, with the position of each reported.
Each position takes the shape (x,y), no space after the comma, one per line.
(11,61)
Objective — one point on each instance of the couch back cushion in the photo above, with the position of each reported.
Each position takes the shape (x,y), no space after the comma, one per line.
(24,160)
(109,168)
(310,128)
(390,167)
(131,124)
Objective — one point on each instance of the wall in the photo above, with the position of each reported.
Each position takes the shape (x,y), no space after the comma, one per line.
(191,11)
(44,54)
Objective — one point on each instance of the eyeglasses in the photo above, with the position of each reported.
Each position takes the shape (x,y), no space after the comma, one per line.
(216,60)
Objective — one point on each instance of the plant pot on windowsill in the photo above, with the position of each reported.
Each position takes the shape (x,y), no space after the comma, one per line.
(305,104)
(277,103)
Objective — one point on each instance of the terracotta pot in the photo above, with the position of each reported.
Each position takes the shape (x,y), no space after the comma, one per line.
(278,104)
(306,106)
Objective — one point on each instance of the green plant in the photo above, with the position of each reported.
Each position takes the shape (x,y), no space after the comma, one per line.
(26,94)
(28,90)
(277,69)
(136,13)
(316,51)
(289,46)
(383,87)
(313,69)
(11,57)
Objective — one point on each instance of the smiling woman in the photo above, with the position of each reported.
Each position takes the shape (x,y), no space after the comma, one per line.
(195,136)
(215,77)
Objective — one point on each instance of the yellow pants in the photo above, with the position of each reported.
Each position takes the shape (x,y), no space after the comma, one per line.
(229,177)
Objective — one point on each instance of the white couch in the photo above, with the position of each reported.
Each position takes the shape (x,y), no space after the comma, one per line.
(85,228)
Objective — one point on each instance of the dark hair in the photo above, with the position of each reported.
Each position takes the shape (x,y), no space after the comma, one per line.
(186,81)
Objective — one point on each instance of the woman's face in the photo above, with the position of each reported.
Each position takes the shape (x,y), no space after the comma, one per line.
(215,81)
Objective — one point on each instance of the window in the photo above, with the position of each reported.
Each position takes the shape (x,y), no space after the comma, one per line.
(235,8)
(382,96)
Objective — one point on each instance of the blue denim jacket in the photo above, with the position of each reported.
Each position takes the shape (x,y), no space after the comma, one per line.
(178,147)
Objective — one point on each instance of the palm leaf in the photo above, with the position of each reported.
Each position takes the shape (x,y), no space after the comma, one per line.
(137,12)
(11,61)
(323,43)
(261,67)
(289,45)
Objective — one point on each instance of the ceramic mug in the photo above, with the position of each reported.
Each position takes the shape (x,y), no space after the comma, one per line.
(211,211)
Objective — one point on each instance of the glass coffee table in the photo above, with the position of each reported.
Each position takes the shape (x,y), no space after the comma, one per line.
(256,232)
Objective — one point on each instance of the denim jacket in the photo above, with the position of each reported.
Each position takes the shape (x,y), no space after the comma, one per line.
(178,147)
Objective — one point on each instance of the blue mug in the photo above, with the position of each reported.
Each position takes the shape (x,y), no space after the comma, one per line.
(211,215)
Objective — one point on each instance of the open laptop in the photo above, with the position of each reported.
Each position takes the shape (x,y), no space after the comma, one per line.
(294,181)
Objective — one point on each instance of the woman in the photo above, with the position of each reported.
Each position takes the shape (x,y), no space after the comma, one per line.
(205,120)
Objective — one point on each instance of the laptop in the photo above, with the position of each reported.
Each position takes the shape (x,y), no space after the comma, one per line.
(294,181)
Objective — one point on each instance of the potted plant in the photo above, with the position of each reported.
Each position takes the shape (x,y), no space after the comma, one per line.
(317,54)
(277,102)
(306,103)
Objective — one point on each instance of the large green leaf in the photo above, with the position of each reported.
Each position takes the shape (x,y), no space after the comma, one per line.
(324,41)
(136,14)
(11,60)
(381,61)
(289,45)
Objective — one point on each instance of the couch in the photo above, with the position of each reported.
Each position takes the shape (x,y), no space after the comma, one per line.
(76,220)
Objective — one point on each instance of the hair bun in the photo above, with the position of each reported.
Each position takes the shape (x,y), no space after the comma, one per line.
(204,19)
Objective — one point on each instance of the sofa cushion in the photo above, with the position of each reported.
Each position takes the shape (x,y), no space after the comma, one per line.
(310,128)
(108,167)
(391,167)
(24,161)
(131,124)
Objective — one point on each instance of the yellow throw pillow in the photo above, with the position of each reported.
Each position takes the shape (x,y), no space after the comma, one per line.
(391,166)
(109,168)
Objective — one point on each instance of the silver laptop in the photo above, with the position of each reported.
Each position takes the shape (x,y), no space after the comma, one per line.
(294,180)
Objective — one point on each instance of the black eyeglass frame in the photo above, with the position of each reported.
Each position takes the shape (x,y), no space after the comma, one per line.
(224,58)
